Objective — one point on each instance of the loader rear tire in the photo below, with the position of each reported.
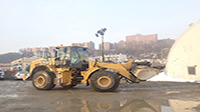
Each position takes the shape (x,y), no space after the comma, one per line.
(43,80)
(104,81)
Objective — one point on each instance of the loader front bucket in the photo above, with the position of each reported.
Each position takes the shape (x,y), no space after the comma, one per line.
(25,77)
(145,72)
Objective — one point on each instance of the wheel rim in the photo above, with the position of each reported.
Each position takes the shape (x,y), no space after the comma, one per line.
(104,81)
(39,81)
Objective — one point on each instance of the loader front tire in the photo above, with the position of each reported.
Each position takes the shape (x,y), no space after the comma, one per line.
(43,80)
(104,81)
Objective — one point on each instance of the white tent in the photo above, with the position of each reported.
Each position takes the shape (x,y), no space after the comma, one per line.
(184,56)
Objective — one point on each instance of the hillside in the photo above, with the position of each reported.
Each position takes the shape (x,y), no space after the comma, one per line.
(9,57)
(159,50)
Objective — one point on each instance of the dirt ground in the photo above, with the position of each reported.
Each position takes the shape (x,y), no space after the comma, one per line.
(21,96)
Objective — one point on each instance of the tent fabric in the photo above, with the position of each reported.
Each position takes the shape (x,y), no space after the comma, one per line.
(184,56)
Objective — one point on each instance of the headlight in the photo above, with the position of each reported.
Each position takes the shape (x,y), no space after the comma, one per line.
(45,62)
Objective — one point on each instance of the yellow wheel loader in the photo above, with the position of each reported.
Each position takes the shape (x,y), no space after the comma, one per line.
(71,66)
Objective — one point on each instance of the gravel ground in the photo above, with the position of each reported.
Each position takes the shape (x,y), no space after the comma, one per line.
(21,96)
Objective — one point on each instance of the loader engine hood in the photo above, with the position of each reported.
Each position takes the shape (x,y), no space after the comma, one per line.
(45,62)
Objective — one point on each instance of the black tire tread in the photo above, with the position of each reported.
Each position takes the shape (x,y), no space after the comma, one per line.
(50,78)
(97,74)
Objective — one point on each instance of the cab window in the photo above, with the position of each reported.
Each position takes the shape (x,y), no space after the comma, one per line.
(74,56)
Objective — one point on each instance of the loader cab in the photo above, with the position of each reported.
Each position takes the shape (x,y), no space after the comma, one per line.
(71,56)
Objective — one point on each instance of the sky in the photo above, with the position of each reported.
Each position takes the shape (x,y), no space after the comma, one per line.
(43,23)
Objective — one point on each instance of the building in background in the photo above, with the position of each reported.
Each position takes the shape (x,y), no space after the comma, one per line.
(140,39)
(35,50)
(133,45)
(51,50)
(131,41)
(109,46)
(121,44)
(39,52)
(5,66)
(21,64)
(90,45)
(28,50)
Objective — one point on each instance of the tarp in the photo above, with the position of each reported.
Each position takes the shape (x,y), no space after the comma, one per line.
(184,56)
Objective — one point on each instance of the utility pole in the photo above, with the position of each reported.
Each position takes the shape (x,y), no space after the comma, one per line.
(102,47)
(101,32)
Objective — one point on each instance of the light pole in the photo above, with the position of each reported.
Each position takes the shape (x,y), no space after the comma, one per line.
(101,32)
